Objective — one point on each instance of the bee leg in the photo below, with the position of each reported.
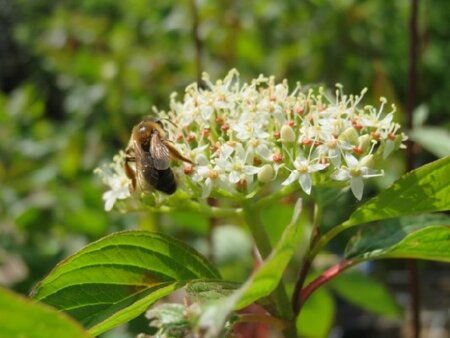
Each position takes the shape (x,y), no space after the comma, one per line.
(131,174)
(175,153)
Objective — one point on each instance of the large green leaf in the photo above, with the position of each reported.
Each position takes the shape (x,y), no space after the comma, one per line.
(402,237)
(259,285)
(426,189)
(116,278)
(377,238)
(365,292)
(25,318)
(431,243)
(317,315)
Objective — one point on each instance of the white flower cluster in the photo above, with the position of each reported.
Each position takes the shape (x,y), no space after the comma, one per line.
(114,176)
(244,136)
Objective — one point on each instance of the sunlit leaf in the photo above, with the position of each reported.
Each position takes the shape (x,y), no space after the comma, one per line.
(204,291)
(376,239)
(116,278)
(25,318)
(426,189)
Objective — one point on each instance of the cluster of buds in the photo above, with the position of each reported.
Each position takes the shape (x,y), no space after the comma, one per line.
(243,137)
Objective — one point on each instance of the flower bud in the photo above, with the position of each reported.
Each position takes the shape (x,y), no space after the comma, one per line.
(349,135)
(367,161)
(266,173)
(364,142)
(287,134)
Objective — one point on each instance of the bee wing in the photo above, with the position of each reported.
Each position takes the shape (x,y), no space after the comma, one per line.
(159,152)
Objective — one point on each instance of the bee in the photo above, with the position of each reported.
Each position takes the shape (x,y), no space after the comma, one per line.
(151,153)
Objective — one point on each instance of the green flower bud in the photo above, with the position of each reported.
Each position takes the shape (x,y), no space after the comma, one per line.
(287,134)
(349,135)
(367,161)
(364,142)
(266,174)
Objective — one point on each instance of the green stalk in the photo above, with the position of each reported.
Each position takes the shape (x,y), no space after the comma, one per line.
(252,218)
(307,260)
(325,238)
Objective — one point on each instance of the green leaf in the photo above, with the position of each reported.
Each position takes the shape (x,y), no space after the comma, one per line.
(202,291)
(372,237)
(365,292)
(275,217)
(317,315)
(25,318)
(259,285)
(431,243)
(116,278)
(376,240)
(434,139)
(426,189)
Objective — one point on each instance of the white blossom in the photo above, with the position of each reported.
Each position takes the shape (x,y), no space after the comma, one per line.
(114,176)
(232,130)
(355,172)
(302,173)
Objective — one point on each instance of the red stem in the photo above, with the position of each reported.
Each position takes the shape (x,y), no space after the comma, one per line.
(325,277)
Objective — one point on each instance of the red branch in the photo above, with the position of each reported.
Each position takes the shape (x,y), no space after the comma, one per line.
(325,277)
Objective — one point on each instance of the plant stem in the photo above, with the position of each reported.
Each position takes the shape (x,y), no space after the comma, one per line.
(262,241)
(325,238)
(307,260)
(324,277)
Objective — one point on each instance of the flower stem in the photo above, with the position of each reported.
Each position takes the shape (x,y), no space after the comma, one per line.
(307,260)
(262,241)
(325,238)
(324,277)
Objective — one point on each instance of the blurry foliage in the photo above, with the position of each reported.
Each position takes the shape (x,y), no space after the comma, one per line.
(75,76)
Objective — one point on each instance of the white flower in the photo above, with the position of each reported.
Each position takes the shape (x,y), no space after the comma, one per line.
(116,179)
(208,177)
(303,169)
(356,171)
(237,166)
(232,130)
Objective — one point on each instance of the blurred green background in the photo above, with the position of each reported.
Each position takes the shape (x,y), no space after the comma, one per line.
(76,75)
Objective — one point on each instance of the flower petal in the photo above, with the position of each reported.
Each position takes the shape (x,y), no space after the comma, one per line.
(357,186)
(207,187)
(317,167)
(351,160)
(305,183)
(263,151)
(251,170)
(234,177)
(340,175)
(292,178)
